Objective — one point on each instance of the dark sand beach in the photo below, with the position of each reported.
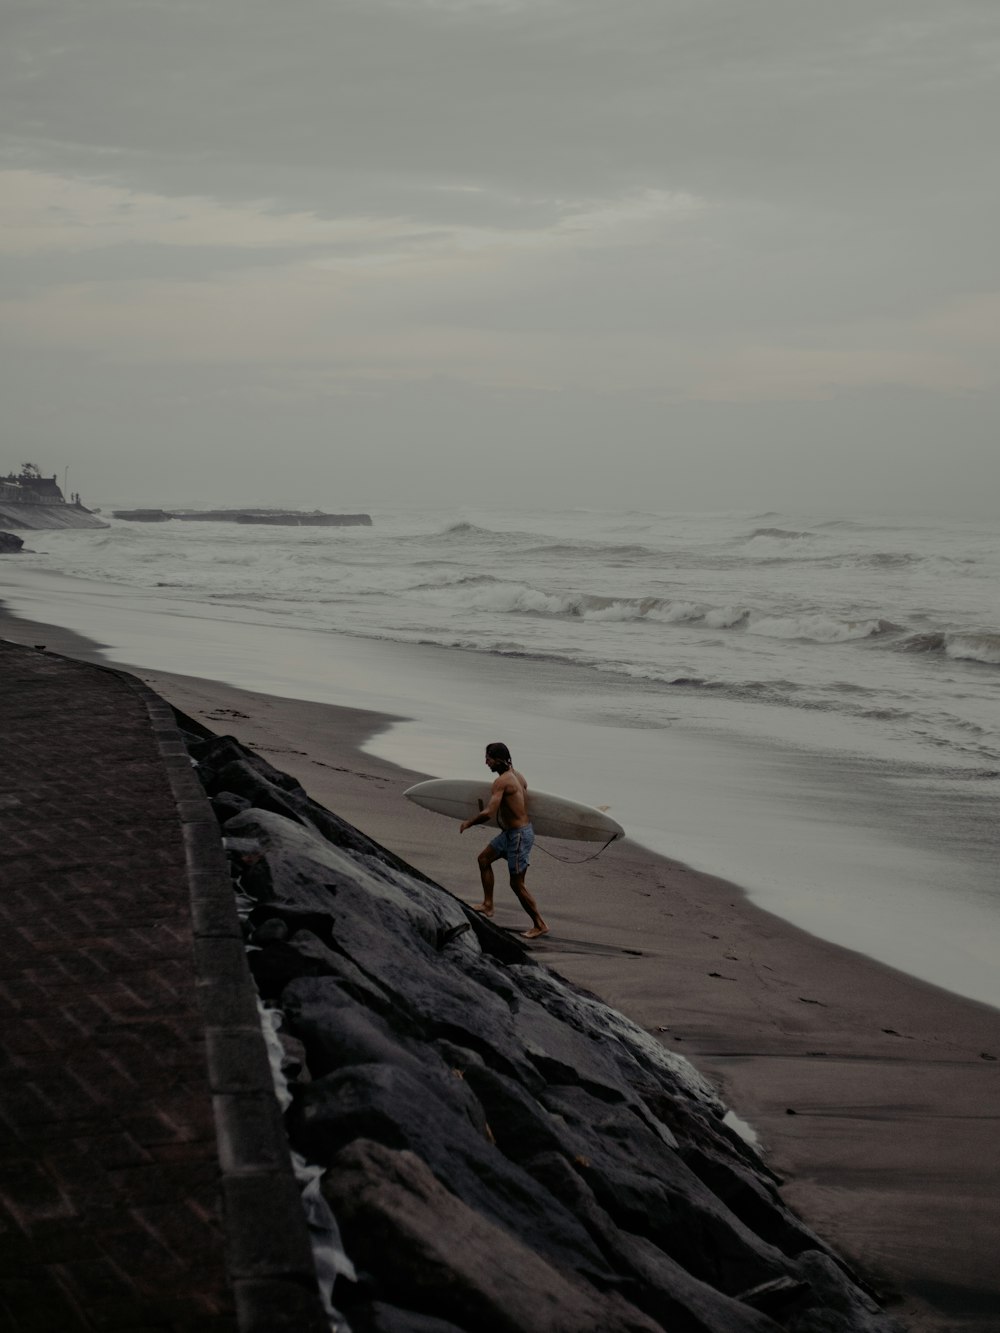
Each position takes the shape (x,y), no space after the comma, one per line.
(874,1095)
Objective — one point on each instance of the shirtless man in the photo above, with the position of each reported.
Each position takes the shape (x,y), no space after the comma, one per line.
(515,839)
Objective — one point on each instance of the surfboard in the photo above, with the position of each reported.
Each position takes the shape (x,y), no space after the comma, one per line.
(551,816)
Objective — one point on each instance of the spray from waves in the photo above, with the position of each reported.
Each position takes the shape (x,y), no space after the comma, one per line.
(117,536)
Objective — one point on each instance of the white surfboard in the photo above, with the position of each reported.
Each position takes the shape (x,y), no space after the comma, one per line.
(551,816)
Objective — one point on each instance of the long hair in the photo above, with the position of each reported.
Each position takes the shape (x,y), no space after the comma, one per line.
(497,750)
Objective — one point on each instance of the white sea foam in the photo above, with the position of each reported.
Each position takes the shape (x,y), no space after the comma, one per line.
(821,628)
(726,617)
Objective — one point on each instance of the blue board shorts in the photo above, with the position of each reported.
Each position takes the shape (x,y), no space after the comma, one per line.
(515,844)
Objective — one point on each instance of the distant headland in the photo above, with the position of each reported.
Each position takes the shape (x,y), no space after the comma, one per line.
(29,500)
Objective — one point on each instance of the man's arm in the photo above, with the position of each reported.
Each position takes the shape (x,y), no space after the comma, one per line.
(490,808)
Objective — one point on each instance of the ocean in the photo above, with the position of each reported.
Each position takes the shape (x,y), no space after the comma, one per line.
(805,706)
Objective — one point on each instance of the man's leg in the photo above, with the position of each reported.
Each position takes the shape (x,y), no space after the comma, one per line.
(538,926)
(487,856)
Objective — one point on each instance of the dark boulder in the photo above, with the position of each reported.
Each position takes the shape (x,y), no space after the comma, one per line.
(753,1200)
(277,964)
(654,1281)
(433,1254)
(426,1116)
(648,1191)
(267,787)
(227,804)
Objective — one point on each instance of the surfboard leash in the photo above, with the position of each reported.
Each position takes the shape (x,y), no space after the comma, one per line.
(567,861)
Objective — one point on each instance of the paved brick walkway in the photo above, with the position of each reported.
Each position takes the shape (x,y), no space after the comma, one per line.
(116,1097)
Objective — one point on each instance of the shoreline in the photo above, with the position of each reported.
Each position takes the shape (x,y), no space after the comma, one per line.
(890,1154)
(840,854)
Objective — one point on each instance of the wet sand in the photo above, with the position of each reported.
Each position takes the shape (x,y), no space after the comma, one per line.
(874,1095)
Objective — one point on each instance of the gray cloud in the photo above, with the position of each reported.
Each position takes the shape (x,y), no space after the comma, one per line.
(725,237)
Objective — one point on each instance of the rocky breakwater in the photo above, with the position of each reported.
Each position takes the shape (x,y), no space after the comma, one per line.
(280,518)
(500,1150)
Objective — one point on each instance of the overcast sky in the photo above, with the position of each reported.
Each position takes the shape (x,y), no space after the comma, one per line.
(667,254)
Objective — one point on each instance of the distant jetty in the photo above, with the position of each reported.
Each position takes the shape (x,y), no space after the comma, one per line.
(142,515)
(281,518)
(29,500)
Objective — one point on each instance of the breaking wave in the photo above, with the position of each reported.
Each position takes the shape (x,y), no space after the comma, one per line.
(931,641)
(484,594)
(963,646)
(887,560)
(782,534)
(597,551)
(467,530)
(974,647)
(821,628)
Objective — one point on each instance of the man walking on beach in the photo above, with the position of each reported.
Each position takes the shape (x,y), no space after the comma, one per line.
(515,839)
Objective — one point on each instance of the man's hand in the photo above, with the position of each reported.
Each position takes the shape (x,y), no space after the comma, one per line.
(486,812)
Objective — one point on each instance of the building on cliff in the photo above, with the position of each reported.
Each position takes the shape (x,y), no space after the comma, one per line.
(30,487)
(29,500)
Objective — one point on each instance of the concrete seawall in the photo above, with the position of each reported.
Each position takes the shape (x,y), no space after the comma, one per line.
(47,517)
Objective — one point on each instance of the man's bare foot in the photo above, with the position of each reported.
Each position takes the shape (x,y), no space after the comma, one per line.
(534,932)
(485,909)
